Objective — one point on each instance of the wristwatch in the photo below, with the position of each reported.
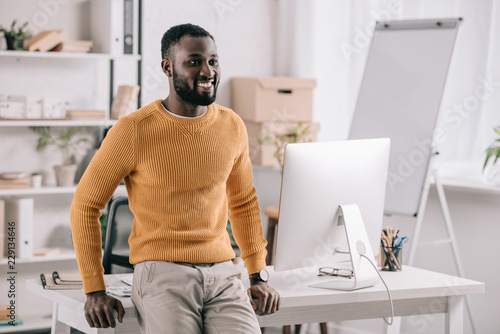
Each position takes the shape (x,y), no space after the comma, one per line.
(262,276)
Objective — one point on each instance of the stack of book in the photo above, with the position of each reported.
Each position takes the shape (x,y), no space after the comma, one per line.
(14,181)
(6,319)
(86,114)
(73,46)
(45,40)
(57,281)
(47,251)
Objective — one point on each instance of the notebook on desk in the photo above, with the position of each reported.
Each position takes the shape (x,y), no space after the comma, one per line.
(127,279)
(49,284)
(63,278)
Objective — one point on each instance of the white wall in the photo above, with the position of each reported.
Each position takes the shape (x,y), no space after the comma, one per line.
(247,45)
(242,31)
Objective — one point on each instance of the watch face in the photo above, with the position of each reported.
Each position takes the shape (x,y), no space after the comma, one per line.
(264,275)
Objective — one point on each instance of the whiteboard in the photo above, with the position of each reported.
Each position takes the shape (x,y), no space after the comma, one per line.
(400,97)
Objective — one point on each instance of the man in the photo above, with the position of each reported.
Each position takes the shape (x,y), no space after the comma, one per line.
(185,164)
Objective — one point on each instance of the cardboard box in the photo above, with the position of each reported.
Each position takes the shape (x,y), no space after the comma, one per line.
(273,99)
(263,140)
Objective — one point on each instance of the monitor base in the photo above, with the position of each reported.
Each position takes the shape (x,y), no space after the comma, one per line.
(349,215)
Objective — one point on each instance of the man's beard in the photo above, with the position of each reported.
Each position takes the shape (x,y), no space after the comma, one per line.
(191,95)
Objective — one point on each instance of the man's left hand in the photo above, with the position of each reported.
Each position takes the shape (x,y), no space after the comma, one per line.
(269,299)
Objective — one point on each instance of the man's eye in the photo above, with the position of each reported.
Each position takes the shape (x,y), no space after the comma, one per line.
(193,62)
(214,62)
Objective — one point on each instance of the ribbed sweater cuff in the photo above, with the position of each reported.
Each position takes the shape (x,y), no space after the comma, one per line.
(256,262)
(94,283)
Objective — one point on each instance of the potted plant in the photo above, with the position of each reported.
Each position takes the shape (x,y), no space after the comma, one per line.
(292,135)
(15,36)
(69,146)
(491,171)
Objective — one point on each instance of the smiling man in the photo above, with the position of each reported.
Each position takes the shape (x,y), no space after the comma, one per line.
(186,168)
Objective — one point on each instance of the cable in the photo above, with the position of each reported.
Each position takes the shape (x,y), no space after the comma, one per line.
(386,287)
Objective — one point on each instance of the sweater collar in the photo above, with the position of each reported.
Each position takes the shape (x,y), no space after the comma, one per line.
(185,120)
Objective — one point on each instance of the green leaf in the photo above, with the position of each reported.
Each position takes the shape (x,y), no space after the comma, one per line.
(62,139)
(489,153)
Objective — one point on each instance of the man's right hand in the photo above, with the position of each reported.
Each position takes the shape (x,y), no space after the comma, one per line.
(99,310)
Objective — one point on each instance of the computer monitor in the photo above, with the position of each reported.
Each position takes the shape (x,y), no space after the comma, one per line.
(319,180)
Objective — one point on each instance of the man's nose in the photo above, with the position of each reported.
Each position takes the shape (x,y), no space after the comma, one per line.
(207,70)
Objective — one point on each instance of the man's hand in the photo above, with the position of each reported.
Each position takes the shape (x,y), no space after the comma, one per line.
(269,299)
(99,310)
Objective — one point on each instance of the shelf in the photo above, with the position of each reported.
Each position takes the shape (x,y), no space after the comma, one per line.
(37,191)
(31,322)
(45,191)
(59,122)
(65,255)
(466,176)
(65,55)
(471,185)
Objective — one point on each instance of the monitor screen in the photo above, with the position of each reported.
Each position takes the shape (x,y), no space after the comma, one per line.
(318,178)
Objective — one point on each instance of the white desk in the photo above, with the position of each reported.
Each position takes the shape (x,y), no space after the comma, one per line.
(414,291)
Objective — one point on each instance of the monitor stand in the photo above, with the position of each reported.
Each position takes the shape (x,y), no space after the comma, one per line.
(365,276)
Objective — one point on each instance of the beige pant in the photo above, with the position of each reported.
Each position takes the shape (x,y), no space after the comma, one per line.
(192,298)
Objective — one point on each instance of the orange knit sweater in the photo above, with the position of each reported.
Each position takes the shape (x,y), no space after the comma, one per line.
(182,177)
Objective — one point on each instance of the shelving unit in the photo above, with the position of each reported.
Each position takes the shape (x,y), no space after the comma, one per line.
(45,191)
(57,123)
(65,55)
(31,322)
(86,81)
(66,254)
(69,56)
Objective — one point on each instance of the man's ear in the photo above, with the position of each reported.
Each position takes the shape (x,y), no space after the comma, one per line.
(166,66)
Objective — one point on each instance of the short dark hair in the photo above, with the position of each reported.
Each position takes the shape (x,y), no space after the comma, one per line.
(174,35)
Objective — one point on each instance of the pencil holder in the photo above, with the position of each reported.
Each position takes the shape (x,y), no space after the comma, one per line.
(391,258)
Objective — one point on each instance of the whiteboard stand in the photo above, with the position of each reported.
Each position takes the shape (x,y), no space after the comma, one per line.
(421,207)
(403,83)
(449,228)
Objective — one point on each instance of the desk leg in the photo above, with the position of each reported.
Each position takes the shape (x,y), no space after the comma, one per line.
(70,318)
(58,327)
(455,315)
(395,328)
